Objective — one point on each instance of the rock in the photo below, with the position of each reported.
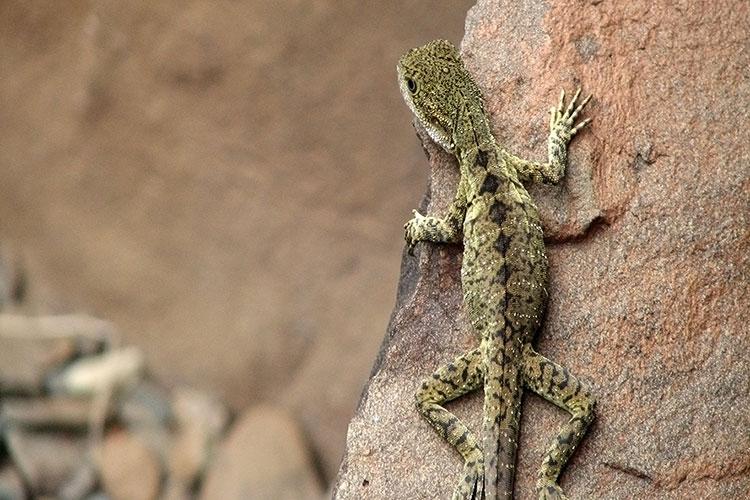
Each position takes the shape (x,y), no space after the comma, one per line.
(81,483)
(116,369)
(200,420)
(25,363)
(146,412)
(264,456)
(90,334)
(175,490)
(6,280)
(48,461)
(99,495)
(47,413)
(32,348)
(129,469)
(147,405)
(12,278)
(11,484)
(649,256)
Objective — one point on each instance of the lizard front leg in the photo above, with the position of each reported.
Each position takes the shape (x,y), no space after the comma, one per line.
(557,385)
(450,382)
(435,229)
(562,129)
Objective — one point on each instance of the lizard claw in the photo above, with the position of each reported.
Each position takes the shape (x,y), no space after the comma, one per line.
(471,487)
(562,117)
(410,231)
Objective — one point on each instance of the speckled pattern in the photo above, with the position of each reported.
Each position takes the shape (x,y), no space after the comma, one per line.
(503,276)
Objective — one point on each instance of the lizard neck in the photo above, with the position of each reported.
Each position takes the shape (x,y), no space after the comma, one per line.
(476,148)
(471,130)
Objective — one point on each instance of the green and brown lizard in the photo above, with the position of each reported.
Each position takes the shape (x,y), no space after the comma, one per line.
(503,275)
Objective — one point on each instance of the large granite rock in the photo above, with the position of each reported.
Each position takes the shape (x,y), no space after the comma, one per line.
(648,243)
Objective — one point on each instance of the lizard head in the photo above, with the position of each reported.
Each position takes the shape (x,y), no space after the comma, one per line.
(435,84)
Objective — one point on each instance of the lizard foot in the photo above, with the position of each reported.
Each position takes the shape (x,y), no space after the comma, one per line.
(471,487)
(550,491)
(562,118)
(413,231)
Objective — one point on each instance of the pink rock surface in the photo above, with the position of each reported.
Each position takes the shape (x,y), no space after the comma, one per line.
(648,243)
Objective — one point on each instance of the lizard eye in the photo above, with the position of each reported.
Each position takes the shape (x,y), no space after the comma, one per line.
(411,85)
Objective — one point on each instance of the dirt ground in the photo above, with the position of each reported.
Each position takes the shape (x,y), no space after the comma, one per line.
(226,182)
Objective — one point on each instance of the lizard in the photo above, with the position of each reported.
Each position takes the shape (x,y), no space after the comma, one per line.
(504,276)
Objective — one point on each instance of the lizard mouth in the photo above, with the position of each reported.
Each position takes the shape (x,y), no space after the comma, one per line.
(438,133)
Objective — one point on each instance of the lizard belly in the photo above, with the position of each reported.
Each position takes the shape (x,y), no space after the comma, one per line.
(504,270)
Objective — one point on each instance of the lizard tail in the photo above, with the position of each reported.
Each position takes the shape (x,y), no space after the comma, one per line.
(502,401)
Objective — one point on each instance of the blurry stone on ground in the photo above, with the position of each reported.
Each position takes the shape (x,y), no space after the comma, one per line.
(12,278)
(648,300)
(129,469)
(176,490)
(81,483)
(81,389)
(147,413)
(48,461)
(263,456)
(32,348)
(11,484)
(113,370)
(25,362)
(148,404)
(6,280)
(200,421)
(46,412)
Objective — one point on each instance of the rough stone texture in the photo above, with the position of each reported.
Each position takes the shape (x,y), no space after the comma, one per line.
(225,180)
(129,469)
(649,251)
(264,456)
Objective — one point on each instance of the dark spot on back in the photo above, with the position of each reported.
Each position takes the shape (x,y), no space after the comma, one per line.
(482,158)
(502,243)
(501,277)
(490,184)
(497,212)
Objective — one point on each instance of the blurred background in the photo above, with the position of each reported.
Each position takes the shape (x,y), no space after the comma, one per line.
(225,182)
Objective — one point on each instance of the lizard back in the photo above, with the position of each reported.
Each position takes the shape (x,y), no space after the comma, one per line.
(504,277)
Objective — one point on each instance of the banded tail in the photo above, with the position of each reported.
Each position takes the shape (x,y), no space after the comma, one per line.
(502,402)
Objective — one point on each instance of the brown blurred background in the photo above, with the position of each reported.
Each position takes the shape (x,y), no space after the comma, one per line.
(226,181)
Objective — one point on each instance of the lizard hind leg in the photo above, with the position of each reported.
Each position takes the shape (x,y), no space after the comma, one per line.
(557,385)
(449,382)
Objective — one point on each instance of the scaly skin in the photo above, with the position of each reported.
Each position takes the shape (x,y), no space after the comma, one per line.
(503,275)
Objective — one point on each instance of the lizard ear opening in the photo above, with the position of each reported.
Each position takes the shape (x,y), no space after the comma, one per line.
(411,85)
